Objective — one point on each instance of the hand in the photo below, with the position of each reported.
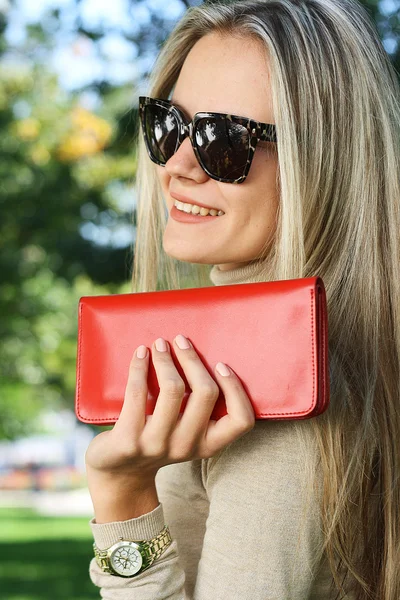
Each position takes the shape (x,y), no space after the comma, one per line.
(139,445)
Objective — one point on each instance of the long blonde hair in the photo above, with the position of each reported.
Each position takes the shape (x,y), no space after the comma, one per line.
(336,103)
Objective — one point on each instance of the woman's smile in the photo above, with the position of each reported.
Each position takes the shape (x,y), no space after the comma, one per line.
(191,213)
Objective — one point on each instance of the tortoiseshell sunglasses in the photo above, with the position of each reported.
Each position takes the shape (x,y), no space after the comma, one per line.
(224,144)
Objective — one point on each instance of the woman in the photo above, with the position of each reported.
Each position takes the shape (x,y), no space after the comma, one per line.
(266,509)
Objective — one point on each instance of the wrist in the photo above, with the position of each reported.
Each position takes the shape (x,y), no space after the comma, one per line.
(117,498)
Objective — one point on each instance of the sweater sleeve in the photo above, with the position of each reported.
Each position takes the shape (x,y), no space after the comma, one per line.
(164,579)
(184,508)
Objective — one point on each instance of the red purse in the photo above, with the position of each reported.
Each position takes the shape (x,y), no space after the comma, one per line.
(272,334)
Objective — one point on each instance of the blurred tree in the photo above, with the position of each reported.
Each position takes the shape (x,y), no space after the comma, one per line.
(62,169)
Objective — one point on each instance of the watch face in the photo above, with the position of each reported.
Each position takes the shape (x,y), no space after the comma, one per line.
(126,559)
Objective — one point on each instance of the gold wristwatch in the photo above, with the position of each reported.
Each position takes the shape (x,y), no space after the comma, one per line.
(128,558)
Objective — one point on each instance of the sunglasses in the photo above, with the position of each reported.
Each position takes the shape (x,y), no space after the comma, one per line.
(224,144)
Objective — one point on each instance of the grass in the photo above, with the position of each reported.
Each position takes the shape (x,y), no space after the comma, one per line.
(43,558)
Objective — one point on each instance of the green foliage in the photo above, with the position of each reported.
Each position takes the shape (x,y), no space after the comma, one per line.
(64,170)
(61,167)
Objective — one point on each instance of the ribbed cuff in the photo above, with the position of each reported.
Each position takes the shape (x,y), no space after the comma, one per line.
(140,528)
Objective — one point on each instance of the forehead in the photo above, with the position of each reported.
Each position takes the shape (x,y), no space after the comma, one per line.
(227,75)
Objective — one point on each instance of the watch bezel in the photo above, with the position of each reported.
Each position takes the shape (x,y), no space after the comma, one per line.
(117,546)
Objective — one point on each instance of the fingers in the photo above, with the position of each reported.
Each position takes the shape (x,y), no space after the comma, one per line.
(191,434)
(205,390)
(132,417)
(172,389)
(195,422)
(239,420)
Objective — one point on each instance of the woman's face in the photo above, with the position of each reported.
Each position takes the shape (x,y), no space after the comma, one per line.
(230,76)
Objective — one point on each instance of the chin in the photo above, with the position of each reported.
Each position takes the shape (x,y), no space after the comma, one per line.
(189,256)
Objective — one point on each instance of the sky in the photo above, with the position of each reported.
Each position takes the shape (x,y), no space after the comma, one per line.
(76,59)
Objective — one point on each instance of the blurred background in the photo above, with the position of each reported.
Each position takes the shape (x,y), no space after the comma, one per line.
(70,75)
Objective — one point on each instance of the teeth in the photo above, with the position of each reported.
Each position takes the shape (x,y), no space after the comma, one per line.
(197,210)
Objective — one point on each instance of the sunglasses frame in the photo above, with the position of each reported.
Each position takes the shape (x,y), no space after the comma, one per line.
(257,132)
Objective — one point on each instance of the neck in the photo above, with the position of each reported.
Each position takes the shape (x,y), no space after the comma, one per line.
(242,274)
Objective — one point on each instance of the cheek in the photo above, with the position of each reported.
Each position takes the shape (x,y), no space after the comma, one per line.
(163,179)
(162,176)
(265,165)
(258,203)
(254,217)
(263,191)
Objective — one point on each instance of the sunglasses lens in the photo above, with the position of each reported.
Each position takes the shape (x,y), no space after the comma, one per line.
(161,132)
(223,146)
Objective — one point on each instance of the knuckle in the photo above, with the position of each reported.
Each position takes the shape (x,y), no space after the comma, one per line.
(129,449)
(156,449)
(208,452)
(136,388)
(185,447)
(209,390)
(242,425)
(173,386)
(162,357)
(183,450)
(191,354)
(135,366)
(236,385)
(247,423)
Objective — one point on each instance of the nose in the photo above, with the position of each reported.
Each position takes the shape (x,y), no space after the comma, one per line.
(185,164)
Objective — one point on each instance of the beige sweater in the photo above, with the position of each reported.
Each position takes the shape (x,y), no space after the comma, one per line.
(241,525)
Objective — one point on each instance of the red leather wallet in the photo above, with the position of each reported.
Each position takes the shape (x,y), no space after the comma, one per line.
(272,334)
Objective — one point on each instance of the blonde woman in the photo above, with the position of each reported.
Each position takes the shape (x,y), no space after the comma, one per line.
(249,509)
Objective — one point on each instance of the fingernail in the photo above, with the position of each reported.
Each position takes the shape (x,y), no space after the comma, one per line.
(183,343)
(223,369)
(161,345)
(141,351)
